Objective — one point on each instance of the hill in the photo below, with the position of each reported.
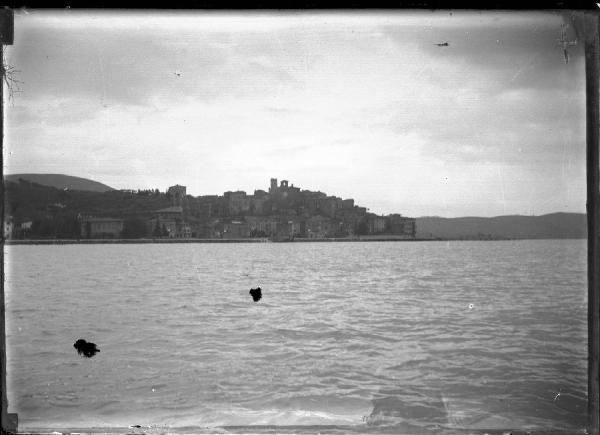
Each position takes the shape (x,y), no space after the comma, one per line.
(61,182)
(549,226)
(28,200)
(55,212)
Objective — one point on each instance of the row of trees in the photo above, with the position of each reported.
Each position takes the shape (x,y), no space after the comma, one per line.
(60,227)
(30,202)
(146,192)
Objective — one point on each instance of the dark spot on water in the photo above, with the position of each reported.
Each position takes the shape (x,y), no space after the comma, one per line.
(256,294)
(86,349)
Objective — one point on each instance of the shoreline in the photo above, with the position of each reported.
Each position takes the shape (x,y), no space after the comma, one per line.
(247,240)
(195,240)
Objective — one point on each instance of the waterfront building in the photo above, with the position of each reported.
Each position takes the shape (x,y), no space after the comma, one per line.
(162,227)
(296,227)
(26,225)
(289,228)
(183,230)
(169,222)
(377,224)
(234,229)
(100,228)
(350,218)
(24,230)
(8,228)
(401,225)
(264,226)
(199,227)
(318,227)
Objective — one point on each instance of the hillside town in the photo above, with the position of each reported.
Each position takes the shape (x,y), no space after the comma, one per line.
(282,213)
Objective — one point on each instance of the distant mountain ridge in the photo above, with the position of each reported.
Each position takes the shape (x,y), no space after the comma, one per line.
(549,226)
(60,181)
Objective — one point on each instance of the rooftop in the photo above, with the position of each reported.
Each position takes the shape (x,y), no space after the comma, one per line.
(102,220)
(176,209)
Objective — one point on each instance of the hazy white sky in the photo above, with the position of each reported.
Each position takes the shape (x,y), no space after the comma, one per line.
(362,106)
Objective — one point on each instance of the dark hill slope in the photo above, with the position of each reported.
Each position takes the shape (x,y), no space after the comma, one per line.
(61,182)
(549,226)
(31,201)
(55,213)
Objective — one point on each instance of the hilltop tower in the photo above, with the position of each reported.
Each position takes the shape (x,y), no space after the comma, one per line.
(177,194)
(273,188)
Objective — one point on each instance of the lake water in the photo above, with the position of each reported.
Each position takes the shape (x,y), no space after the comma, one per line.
(416,337)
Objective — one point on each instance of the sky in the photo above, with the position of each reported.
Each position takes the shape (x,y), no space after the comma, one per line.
(358,105)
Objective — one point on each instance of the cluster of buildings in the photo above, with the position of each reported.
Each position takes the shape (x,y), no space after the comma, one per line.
(284,212)
(9,227)
(166,222)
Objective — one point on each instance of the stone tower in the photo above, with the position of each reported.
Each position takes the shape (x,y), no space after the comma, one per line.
(177,194)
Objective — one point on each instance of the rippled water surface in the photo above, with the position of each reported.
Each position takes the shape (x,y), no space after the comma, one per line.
(412,336)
